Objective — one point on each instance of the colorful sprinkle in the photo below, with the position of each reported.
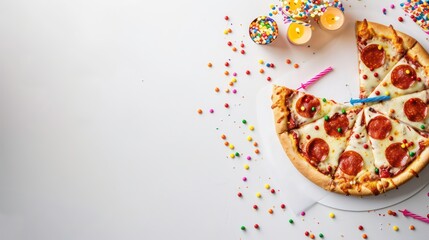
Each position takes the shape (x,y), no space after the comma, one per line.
(283,206)
(395,228)
(251,128)
(200,111)
(258,195)
(270,211)
(256,226)
(267,186)
(243,228)
(364,236)
(331,215)
(249,138)
(246,166)
(291,221)
(412,227)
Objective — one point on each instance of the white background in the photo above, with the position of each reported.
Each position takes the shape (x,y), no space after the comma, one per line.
(100,136)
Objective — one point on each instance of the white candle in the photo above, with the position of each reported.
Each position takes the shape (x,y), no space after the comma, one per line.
(332,19)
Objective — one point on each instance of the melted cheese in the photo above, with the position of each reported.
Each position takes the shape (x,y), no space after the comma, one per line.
(399,132)
(391,58)
(358,145)
(327,107)
(387,86)
(336,144)
(395,109)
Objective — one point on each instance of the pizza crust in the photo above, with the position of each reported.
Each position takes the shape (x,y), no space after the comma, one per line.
(301,164)
(420,55)
(367,29)
(279,107)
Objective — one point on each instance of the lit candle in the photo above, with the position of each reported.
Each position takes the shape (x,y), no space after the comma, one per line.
(332,19)
(294,9)
(298,34)
(294,5)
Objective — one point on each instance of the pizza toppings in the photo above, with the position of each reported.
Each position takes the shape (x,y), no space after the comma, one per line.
(317,150)
(373,56)
(403,76)
(307,106)
(337,125)
(415,109)
(379,127)
(351,162)
(396,155)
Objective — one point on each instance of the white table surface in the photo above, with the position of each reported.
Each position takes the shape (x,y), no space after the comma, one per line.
(100,136)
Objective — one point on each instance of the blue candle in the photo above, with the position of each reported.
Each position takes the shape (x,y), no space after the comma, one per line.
(372,99)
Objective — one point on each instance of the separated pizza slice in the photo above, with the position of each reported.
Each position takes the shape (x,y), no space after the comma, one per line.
(411,109)
(399,151)
(356,174)
(409,75)
(380,47)
(315,147)
(293,109)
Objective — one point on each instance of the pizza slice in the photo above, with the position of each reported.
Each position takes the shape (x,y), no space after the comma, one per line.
(411,109)
(293,109)
(356,174)
(380,47)
(314,148)
(409,75)
(399,151)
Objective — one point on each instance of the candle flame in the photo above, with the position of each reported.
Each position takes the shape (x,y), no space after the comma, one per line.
(297,30)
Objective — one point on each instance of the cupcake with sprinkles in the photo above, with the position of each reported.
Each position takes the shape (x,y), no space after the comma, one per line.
(263,30)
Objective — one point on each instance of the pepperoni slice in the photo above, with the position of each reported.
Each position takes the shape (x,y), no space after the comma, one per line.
(307,106)
(372,56)
(379,127)
(403,76)
(351,162)
(396,155)
(317,150)
(415,109)
(337,125)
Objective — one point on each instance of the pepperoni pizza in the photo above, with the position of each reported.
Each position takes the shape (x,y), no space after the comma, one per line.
(367,149)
